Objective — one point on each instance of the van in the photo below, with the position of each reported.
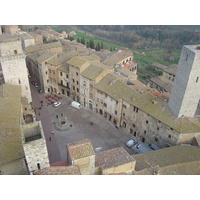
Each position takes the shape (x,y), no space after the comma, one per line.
(75,104)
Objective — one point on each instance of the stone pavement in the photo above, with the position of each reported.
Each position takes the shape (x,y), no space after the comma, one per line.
(102,133)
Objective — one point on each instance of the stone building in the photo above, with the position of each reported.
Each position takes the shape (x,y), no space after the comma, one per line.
(179,160)
(63,74)
(10,29)
(77,65)
(110,92)
(81,153)
(164,82)
(55,47)
(13,64)
(12,157)
(22,145)
(37,38)
(120,59)
(149,120)
(38,56)
(88,79)
(27,40)
(185,95)
(35,148)
(59,170)
(114,162)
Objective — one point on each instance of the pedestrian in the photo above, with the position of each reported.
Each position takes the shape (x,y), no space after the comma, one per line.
(52,132)
(39,113)
(50,139)
(41,101)
(70,125)
(61,114)
(57,116)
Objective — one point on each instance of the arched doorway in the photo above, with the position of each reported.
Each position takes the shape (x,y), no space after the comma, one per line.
(90,105)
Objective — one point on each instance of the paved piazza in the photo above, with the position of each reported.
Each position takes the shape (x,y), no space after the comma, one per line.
(102,133)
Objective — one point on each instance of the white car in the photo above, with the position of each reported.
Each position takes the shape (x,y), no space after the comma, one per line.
(130,143)
(55,104)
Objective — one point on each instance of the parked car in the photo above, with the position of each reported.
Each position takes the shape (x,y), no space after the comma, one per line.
(36,85)
(56,104)
(130,143)
(39,90)
(33,82)
(141,147)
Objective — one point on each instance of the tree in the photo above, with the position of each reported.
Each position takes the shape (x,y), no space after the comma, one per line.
(71,38)
(101,45)
(91,44)
(82,41)
(98,48)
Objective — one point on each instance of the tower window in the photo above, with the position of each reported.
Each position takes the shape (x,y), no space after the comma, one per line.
(186,57)
(197,79)
(38,165)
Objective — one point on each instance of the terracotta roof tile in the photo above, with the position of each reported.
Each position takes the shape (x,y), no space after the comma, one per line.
(112,158)
(64,170)
(80,149)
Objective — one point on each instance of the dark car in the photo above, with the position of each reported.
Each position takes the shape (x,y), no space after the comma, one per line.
(40,91)
(33,82)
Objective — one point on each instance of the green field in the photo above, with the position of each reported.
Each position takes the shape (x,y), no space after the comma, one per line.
(87,38)
(143,59)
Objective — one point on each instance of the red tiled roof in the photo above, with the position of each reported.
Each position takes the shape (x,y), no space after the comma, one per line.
(60,163)
(112,158)
(80,149)
(63,170)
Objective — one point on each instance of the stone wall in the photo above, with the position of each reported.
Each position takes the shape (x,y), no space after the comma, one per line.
(15,73)
(86,165)
(147,129)
(185,93)
(13,65)
(126,168)
(35,150)
(27,42)
(17,167)
(111,109)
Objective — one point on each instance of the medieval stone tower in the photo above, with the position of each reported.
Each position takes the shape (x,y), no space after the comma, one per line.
(185,93)
(13,64)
